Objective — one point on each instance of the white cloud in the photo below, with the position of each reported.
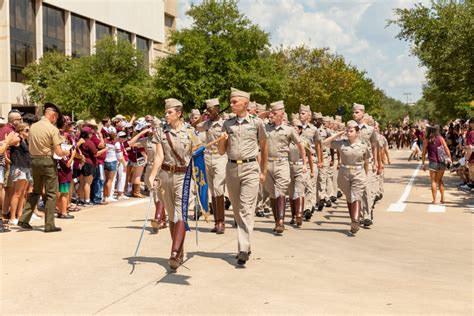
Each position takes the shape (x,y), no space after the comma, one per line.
(355,29)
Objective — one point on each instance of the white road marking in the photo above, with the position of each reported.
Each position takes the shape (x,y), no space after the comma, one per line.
(471,207)
(130,203)
(400,205)
(437,208)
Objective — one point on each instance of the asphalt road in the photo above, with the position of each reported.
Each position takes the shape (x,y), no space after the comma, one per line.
(415,259)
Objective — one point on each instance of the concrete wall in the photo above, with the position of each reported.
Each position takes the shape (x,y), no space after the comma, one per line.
(143,17)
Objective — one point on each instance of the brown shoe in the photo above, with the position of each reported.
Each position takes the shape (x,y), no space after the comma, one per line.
(136,191)
(299,206)
(177,252)
(220,214)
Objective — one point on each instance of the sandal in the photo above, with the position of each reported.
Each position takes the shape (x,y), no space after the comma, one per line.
(73,209)
(65,216)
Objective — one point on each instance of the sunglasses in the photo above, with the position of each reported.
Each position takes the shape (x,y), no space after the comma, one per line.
(25,130)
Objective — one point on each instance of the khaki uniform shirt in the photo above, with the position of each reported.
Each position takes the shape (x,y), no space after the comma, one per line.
(381,141)
(351,155)
(149,143)
(183,141)
(43,137)
(323,134)
(279,139)
(244,137)
(368,136)
(311,137)
(212,130)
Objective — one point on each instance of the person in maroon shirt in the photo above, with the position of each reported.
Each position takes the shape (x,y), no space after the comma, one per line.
(99,177)
(469,152)
(6,189)
(90,152)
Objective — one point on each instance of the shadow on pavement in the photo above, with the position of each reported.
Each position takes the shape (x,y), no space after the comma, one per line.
(225,256)
(148,229)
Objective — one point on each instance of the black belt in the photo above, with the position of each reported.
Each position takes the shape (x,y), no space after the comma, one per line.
(243,160)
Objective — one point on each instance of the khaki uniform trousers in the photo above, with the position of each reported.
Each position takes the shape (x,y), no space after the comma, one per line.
(297,181)
(323,176)
(335,173)
(171,194)
(149,185)
(380,182)
(263,199)
(45,174)
(278,178)
(368,197)
(311,192)
(215,172)
(242,182)
(352,183)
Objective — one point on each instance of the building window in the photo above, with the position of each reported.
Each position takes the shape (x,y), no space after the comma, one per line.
(144,47)
(22,37)
(53,29)
(169,20)
(124,35)
(102,30)
(80,31)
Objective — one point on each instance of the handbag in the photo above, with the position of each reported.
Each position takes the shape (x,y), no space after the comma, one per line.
(442,156)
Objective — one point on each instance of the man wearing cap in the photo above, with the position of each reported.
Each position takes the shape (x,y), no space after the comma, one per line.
(263,198)
(310,136)
(280,136)
(252,109)
(44,141)
(215,163)
(324,172)
(244,135)
(368,136)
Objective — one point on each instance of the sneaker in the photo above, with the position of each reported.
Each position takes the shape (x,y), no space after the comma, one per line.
(122,197)
(13,222)
(35,217)
(465,187)
(111,199)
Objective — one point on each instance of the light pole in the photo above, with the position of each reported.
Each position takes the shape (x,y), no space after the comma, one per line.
(407,94)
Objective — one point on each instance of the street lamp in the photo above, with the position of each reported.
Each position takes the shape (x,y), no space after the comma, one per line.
(407,94)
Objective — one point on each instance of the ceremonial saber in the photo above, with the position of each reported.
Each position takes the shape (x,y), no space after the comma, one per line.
(144,226)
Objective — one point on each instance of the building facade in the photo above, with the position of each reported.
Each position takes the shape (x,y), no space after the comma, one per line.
(29,28)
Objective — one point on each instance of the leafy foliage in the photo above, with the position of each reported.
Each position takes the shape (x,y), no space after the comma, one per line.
(442,37)
(222,49)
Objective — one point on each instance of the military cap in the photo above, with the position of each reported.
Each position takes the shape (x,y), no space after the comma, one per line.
(296,122)
(211,103)
(195,112)
(326,119)
(317,115)
(252,105)
(239,93)
(295,116)
(352,124)
(338,118)
(357,106)
(278,105)
(305,108)
(172,103)
(261,107)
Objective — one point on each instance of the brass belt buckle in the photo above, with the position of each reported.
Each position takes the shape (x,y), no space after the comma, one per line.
(172,168)
(239,162)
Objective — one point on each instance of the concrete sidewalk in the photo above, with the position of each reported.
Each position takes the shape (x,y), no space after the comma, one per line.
(414,261)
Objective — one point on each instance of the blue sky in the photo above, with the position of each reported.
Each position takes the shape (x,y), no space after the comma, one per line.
(355,29)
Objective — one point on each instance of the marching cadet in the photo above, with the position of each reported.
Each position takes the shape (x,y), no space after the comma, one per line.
(383,150)
(332,175)
(263,198)
(310,136)
(147,140)
(298,177)
(354,168)
(280,136)
(252,109)
(215,164)
(324,171)
(369,137)
(174,145)
(244,135)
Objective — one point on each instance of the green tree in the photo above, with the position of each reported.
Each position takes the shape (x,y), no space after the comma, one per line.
(326,82)
(221,49)
(40,75)
(113,80)
(442,37)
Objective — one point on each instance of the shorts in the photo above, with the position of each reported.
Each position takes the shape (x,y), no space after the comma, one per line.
(18,173)
(110,165)
(88,170)
(436,166)
(2,174)
(64,187)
